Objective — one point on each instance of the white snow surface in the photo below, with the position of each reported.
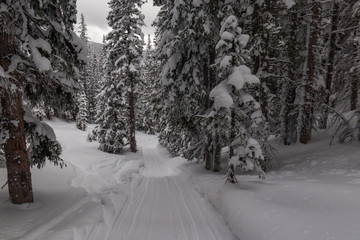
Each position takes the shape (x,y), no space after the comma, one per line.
(106,196)
(312,194)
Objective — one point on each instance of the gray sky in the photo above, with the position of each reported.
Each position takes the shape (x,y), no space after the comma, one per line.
(96,11)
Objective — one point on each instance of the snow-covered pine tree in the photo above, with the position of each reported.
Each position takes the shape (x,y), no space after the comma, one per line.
(186,36)
(100,97)
(129,48)
(235,110)
(178,38)
(94,77)
(149,99)
(82,95)
(262,21)
(111,129)
(38,51)
(124,52)
(82,114)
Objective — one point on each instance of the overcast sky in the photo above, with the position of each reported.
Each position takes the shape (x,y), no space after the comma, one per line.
(96,11)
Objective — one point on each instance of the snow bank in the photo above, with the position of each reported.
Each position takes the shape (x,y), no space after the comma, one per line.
(313,194)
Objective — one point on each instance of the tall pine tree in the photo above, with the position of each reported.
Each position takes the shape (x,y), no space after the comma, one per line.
(38,52)
(124,47)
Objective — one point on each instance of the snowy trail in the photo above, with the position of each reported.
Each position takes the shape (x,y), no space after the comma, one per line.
(141,196)
(163,205)
(313,195)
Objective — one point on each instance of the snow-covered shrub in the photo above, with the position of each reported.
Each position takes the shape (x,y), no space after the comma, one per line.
(42,143)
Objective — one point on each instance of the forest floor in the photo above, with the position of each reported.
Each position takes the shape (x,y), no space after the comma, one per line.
(313,193)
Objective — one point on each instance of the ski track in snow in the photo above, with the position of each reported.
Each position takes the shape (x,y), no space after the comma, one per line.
(162,206)
(141,196)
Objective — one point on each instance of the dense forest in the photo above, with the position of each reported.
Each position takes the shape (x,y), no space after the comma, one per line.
(220,79)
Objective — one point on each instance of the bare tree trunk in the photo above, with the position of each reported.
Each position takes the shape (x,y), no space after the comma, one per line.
(210,159)
(207,156)
(206,79)
(330,64)
(288,88)
(306,109)
(232,133)
(132,120)
(289,97)
(133,147)
(12,118)
(354,92)
(217,157)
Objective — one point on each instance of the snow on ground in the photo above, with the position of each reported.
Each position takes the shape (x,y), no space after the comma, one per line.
(105,196)
(312,194)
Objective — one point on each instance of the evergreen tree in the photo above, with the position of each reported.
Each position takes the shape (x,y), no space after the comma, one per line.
(82,96)
(81,118)
(94,77)
(149,98)
(38,52)
(185,45)
(307,88)
(235,110)
(291,74)
(124,53)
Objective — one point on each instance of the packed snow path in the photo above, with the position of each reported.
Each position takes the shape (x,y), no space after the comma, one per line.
(133,196)
(163,205)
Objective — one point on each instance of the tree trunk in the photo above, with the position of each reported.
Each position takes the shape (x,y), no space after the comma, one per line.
(354,92)
(17,160)
(330,64)
(306,110)
(217,157)
(133,147)
(232,133)
(12,121)
(288,88)
(210,79)
(207,156)
(289,96)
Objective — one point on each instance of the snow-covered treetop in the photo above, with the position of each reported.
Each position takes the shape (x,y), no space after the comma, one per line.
(45,32)
(230,61)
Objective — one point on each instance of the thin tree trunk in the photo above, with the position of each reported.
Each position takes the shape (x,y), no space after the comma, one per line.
(331,62)
(307,105)
(12,119)
(207,156)
(217,157)
(288,89)
(133,147)
(132,120)
(287,108)
(232,133)
(212,82)
(354,92)
(206,78)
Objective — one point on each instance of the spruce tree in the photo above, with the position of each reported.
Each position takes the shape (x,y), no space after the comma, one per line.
(124,53)
(94,77)
(82,98)
(235,110)
(149,98)
(185,42)
(307,88)
(38,52)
